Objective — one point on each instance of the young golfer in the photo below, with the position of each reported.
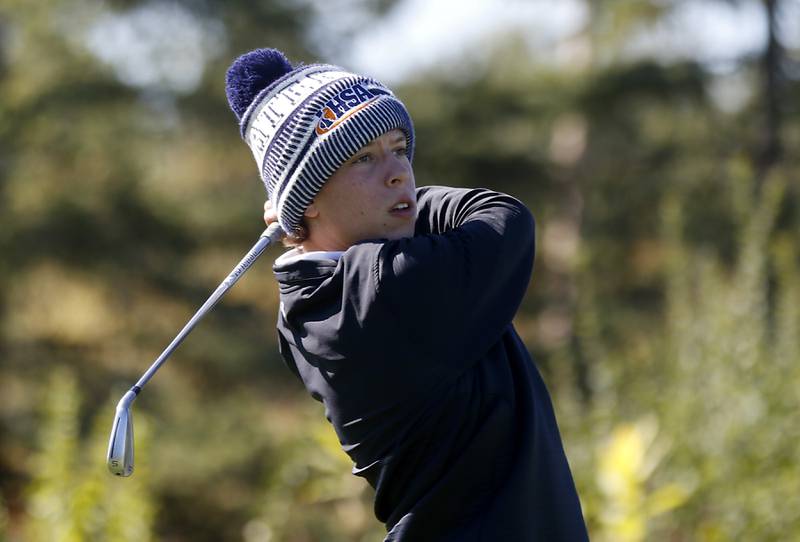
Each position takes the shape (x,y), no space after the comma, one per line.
(396,310)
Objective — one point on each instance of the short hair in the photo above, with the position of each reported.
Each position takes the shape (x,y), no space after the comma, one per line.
(297,237)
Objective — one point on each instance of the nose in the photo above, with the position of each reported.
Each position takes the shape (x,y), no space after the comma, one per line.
(397,171)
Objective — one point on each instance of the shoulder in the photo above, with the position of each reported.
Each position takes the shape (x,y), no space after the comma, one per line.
(443,208)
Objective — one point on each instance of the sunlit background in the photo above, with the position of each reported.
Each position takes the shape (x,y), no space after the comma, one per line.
(656,142)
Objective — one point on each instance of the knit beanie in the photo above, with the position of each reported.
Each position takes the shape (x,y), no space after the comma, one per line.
(303,122)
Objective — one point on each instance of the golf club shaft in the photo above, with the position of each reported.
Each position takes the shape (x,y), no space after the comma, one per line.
(120,445)
(272,233)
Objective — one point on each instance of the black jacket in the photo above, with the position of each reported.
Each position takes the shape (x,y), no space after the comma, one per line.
(410,347)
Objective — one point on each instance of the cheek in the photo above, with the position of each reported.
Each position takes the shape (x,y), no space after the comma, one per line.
(354,200)
(348,201)
(359,197)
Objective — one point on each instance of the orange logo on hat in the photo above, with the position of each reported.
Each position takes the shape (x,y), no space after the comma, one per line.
(341,106)
(330,121)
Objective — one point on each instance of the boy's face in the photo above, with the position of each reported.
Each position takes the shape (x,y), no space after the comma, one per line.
(371,196)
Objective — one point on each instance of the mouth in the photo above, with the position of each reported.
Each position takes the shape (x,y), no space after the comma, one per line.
(402,208)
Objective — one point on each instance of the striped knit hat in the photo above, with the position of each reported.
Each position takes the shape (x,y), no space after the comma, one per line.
(303,122)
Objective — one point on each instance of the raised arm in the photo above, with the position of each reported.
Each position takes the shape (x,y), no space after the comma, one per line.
(457,284)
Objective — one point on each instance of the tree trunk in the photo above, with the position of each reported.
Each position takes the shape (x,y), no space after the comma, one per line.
(771,65)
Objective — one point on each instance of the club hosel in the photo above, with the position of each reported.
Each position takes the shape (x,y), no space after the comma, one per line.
(128,399)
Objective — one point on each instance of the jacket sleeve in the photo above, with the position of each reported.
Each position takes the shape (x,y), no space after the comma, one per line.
(456,285)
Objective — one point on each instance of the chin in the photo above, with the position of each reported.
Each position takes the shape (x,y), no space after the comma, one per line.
(401,234)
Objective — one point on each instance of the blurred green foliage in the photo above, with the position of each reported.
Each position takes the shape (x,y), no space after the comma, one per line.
(663,310)
(69,496)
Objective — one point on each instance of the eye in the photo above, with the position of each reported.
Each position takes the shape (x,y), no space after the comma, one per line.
(362,159)
(400,151)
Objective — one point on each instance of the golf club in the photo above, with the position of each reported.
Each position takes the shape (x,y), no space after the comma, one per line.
(120,444)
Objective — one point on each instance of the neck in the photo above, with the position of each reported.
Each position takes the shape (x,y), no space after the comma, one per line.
(319,239)
(311,246)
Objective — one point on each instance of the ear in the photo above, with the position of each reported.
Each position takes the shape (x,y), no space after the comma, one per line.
(311,211)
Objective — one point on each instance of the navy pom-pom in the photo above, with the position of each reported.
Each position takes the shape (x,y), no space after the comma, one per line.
(250,74)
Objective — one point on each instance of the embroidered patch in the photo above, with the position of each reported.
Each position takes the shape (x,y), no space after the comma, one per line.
(341,106)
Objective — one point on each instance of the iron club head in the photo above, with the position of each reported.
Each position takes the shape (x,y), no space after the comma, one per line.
(120,444)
